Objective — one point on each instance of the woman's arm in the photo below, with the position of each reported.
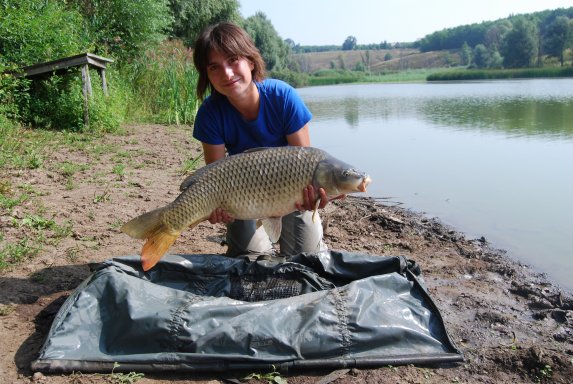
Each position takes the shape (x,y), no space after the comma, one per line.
(300,138)
(213,152)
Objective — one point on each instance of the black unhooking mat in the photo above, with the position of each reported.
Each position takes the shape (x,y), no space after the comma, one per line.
(206,313)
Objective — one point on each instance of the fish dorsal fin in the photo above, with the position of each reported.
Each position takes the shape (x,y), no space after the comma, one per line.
(256,149)
(188,181)
(273,226)
(193,177)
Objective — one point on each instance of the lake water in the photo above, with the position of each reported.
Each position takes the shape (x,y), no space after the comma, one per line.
(491,158)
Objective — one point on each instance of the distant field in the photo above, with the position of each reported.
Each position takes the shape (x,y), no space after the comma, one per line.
(377,61)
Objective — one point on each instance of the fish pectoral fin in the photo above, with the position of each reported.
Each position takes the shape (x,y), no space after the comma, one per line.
(273,226)
(315,208)
(155,247)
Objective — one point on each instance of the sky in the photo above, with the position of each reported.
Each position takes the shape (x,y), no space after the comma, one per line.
(326,22)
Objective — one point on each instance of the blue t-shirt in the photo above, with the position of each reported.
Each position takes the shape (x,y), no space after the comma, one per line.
(281,112)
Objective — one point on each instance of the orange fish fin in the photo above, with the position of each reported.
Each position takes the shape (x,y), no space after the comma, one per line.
(155,247)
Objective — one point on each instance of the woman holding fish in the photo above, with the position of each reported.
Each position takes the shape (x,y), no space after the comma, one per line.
(246,111)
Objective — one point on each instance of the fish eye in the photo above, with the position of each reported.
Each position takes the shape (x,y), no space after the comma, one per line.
(351,172)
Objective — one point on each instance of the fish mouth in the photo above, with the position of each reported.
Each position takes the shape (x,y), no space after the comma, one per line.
(365,181)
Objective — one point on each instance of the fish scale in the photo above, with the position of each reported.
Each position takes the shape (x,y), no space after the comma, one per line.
(259,184)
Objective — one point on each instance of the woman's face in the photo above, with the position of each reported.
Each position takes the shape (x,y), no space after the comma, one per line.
(230,75)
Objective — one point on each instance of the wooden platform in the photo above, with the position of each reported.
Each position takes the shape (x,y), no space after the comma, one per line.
(83,60)
(67,62)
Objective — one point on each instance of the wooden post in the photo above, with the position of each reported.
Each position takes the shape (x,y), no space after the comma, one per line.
(87,91)
(103,81)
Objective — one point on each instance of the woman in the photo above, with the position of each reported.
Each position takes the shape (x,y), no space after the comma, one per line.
(244,111)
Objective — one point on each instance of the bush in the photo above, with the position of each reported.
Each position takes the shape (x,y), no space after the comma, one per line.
(58,103)
(13,92)
(296,79)
(34,31)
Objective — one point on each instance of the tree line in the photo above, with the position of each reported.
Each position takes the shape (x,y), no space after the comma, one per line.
(515,42)
(132,31)
(39,30)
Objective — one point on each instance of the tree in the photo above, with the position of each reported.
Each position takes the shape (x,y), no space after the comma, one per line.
(366,60)
(495,35)
(349,44)
(190,17)
(481,57)
(123,28)
(557,37)
(495,60)
(466,54)
(290,43)
(273,49)
(31,32)
(520,46)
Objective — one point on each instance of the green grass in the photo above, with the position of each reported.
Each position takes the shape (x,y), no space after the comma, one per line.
(15,253)
(68,168)
(37,222)
(7,202)
(191,164)
(104,197)
(21,148)
(42,231)
(119,169)
(273,377)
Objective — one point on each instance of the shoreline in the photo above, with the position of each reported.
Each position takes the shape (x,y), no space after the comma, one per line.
(510,322)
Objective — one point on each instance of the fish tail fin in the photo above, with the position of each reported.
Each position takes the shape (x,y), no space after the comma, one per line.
(150,227)
(155,247)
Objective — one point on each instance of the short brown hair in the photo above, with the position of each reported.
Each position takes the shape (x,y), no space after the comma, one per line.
(231,40)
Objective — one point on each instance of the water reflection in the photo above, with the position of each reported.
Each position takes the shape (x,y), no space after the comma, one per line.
(515,117)
(351,112)
(491,158)
(514,108)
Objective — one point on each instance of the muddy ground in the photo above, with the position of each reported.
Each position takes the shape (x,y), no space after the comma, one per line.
(510,323)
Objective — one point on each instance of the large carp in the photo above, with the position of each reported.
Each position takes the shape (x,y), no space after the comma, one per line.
(261,184)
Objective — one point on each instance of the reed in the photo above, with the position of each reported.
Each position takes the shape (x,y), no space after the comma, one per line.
(490,74)
(163,83)
(331,77)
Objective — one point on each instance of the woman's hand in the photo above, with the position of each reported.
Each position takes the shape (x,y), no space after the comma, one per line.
(219,215)
(310,195)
